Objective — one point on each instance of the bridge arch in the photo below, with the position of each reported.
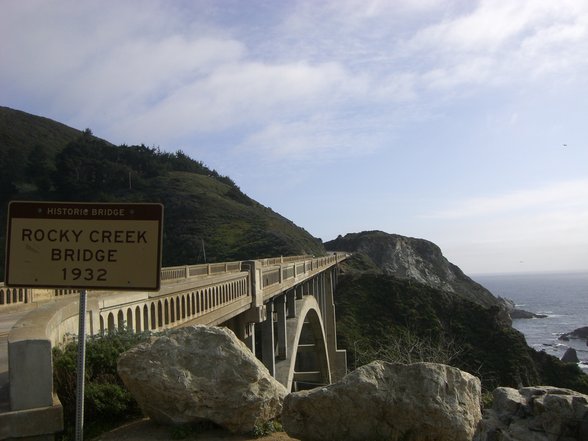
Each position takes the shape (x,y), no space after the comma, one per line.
(307,360)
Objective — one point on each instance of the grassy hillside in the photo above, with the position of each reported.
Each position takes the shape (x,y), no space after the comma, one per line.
(22,132)
(205,213)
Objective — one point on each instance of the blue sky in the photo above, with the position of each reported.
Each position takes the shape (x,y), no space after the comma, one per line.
(461,122)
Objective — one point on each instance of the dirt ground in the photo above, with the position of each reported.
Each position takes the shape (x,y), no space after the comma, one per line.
(146,430)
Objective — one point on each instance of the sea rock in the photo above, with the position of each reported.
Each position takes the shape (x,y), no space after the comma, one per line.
(201,373)
(541,413)
(522,314)
(580,333)
(570,356)
(516,313)
(386,401)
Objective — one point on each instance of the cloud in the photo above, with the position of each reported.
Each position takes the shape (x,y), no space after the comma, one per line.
(498,42)
(316,139)
(542,229)
(570,195)
(161,72)
(242,92)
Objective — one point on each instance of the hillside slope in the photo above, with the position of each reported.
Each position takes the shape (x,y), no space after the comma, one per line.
(205,214)
(22,131)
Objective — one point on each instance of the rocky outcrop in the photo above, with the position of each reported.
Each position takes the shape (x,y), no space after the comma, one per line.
(385,401)
(570,356)
(516,313)
(540,413)
(522,314)
(580,333)
(201,373)
(413,259)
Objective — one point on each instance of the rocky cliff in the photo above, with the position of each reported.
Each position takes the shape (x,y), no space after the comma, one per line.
(413,259)
(400,300)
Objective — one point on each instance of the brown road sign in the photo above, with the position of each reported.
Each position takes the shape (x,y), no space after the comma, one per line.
(84,245)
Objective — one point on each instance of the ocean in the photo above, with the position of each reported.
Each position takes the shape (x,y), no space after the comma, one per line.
(563,297)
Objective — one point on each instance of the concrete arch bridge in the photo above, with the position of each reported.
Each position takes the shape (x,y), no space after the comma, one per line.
(282,308)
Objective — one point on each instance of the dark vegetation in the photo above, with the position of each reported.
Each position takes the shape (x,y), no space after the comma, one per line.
(107,402)
(383,317)
(205,213)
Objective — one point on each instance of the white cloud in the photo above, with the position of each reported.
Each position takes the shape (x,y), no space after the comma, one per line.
(156,72)
(501,42)
(568,195)
(316,139)
(243,93)
(544,228)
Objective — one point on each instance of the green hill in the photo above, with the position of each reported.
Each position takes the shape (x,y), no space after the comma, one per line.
(206,214)
(22,132)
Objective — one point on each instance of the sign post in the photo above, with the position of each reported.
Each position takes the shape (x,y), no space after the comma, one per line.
(110,246)
(81,368)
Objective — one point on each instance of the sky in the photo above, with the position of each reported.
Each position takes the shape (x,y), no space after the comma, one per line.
(462,122)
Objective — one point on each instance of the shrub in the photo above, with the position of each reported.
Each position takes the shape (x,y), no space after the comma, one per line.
(107,402)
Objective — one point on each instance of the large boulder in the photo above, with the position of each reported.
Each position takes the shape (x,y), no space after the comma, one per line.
(540,413)
(201,373)
(386,401)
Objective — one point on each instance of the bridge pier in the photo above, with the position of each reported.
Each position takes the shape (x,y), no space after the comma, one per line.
(280,306)
(291,303)
(337,357)
(268,349)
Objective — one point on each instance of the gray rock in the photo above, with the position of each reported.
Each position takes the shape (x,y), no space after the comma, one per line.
(522,314)
(541,413)
(385,401)
(201,373)
(570,356)
(415,260)
(579,333)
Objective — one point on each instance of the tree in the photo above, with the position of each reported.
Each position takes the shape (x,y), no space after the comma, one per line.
(11,164)
(85,169)
(38,169)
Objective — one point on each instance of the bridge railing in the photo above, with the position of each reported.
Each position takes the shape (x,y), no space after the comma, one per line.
(12,296)
(176,273)
(21,296)
(279,272)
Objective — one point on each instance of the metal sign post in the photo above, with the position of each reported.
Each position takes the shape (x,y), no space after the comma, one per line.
(81,368)
(112,246)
